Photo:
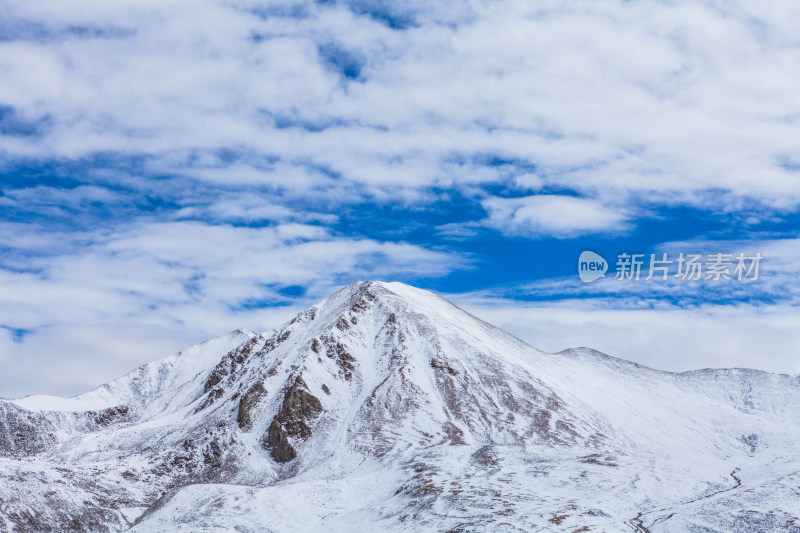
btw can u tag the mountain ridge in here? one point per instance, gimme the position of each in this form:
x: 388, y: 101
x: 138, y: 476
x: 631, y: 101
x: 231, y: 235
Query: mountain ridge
x: 395, y: 397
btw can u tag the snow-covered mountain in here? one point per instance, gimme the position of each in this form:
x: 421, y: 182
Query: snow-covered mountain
x: 386, y: 408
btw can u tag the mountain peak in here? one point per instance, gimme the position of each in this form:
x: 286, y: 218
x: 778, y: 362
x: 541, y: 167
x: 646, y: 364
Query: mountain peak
x: 384, y: 403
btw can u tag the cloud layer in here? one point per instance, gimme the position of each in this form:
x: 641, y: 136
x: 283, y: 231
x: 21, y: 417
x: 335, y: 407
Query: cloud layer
x: 667, y: 99
x: 194, y: 166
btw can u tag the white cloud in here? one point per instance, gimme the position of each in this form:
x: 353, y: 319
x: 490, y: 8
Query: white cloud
x: 669, y: 338
x: 162, y: 271
x: 603, y: 109
x: 553, y: 215
x: 134, y: 295
x: 68, y: 359
x: 669, y: 99
x: 673, y: 325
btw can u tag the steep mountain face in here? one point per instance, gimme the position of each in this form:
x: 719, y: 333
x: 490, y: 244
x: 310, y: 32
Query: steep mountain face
x: 385, y: 407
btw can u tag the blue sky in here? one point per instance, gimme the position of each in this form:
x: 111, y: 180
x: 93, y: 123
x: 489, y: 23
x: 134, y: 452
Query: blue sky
x: 171, y: 172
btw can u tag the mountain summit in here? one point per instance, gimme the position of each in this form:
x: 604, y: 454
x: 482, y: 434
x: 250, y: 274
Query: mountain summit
x: 385, y: 407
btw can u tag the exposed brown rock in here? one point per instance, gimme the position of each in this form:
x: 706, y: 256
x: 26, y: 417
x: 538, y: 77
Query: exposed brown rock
x: 247, y: 404
x: 23, y: 433
x: 365, y: 295
x: 305, y: 317
x: 336, y: 350
x: 212, y: 455
x: 358, y: 306
x: 247, y: 349
x: 180, y: 460
x: 454, y: 433
x: 441, y: 365
x: 110, y: 415
x: 232, y: 361
x: 277, y: 440
x: 213, y: 395
x: 215, y: 377
x: 485, y: 457
x: 298, y: 410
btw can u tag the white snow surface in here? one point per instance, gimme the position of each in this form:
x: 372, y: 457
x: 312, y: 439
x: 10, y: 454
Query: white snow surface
x: 404, y: 413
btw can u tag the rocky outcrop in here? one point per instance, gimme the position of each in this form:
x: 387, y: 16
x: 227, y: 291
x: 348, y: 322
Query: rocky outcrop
x: 277, y: 440
x: 293, y: 421
x: 337, y: 351
x: 215, y: 376
x: 231, y: 366
x: 247, y: 403
x: 23, y: 432
x: 212, y: 396
x: 110, y: 416
x: 212, y: 454
x: 232, y: 361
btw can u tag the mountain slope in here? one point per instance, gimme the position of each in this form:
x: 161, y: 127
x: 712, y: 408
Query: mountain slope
x: 386, y: 407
